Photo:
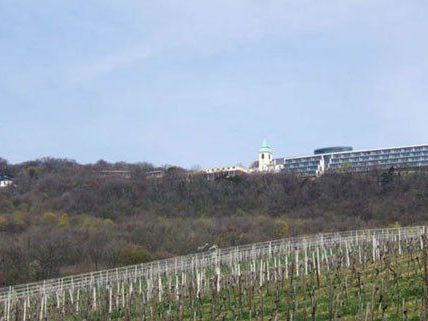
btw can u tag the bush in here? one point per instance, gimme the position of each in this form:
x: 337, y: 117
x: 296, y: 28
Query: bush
x: 133, y: 254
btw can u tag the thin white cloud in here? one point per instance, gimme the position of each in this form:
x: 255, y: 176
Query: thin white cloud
x: 208, y: 27
x: 110, y: 63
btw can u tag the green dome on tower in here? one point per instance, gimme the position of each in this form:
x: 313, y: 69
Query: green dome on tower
x: 265, y: 148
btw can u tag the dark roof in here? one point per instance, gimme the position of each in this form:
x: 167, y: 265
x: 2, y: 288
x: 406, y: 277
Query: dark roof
x: 5, y: 177
x: 333, y: 149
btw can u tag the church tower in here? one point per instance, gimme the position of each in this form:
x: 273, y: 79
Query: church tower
x: 265, y: 156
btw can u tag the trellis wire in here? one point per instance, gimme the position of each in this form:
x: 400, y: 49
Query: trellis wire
x: 214, y: 258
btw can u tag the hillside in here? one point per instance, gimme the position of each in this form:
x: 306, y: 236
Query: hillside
x: 64, y: 218
x: 377, y: 274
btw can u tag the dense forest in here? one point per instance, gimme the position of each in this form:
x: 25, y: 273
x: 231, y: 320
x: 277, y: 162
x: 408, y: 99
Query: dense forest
x: 61, y: 217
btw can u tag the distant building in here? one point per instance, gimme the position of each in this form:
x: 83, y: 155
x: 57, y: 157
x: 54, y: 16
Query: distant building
x: 226, y: 171
x: 266, y: 162
x: 5, y: 181
x: 265, y: 157
x: 158, y: 173
x: 344, y: 159
x: 333, y: 159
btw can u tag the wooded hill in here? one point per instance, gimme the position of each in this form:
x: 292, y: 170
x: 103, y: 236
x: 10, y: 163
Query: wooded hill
x: 61, y: 217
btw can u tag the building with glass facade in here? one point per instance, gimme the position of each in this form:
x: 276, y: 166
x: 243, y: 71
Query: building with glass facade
x: 332, y: 159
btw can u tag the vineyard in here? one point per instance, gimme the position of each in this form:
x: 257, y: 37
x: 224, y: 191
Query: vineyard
x: 379, y: 274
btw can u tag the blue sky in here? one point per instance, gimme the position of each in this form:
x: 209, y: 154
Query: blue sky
x: 203, y: 82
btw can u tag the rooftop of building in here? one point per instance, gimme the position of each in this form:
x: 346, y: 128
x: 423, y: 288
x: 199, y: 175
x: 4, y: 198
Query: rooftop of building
x: 332, y: 149
x: 266, y: 147
x: 357, y: 151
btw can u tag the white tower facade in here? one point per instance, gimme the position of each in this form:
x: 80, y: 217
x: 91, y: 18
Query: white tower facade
x: 265, y: 156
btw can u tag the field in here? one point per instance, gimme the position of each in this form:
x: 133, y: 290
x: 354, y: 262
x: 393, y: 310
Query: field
x: 358, y: 275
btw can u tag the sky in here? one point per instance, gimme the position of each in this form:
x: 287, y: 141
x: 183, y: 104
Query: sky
x: 201, y: 83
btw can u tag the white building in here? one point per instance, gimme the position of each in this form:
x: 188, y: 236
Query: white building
x: 265, y: 157
x: 227, y: 171
x: 345, y: 159
x: 5, y: 181
x: 266, y: 163
x: 332, y: 159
